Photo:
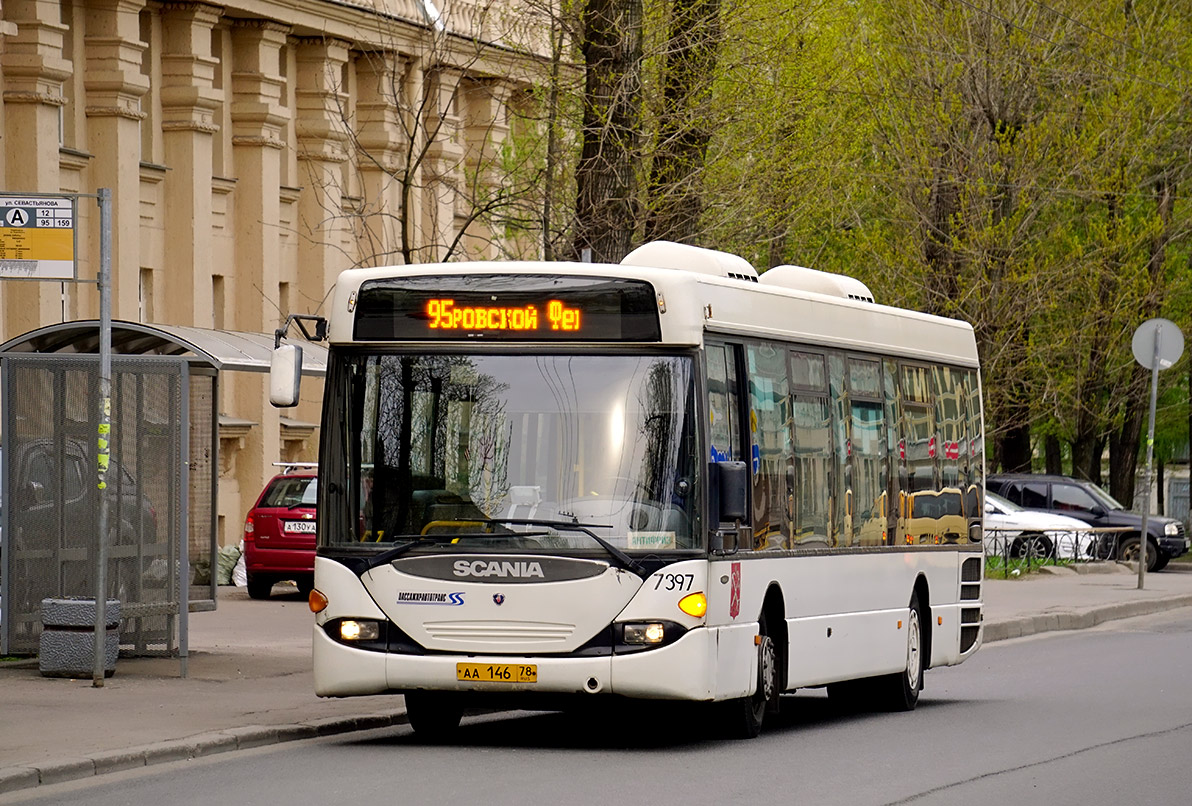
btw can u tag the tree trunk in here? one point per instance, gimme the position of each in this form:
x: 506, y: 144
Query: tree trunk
x: 1123, y: 449
x: 937, y: 243
x: 1123, y: 443
x: 1054, y: 455
x: 683, y: 130
x: 1159, y: 489
x: 612, y: 47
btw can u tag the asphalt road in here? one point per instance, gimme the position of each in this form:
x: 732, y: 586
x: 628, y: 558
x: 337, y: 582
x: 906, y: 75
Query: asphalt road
x: 1101, y: 716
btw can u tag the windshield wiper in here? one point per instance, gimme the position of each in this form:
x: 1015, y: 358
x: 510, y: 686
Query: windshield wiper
x: 623, y: 560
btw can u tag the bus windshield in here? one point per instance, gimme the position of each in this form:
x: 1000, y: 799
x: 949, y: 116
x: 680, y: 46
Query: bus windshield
x: 467, y: 452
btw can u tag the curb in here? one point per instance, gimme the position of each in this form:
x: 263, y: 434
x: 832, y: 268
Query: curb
x: 1054, y: 622
x: 201, y: 745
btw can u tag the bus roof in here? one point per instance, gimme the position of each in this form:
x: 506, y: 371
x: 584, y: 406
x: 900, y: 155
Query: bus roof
x: 719, y: 295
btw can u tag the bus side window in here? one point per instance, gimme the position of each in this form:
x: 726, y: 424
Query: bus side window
x: 769, y: 428
x: 724, y: 437
x: 811, y: 444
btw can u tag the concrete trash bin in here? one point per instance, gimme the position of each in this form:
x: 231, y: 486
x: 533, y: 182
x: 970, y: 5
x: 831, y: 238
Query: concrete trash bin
x: 66, y: 647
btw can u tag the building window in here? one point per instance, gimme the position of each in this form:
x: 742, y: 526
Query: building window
x: 145, y: 295
x: 217, y: 301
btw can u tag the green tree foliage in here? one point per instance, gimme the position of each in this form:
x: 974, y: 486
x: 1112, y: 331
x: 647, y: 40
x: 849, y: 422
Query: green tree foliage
x: 1020, y: 164
x: 1015, y: 163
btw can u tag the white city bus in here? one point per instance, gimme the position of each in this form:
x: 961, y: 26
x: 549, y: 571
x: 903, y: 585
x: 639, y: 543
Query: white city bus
x: 667, y: 479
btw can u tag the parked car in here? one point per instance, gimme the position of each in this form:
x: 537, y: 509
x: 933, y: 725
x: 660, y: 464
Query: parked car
x: 1062, y: 495
x: 279, y: 533
x: 1022, y: 533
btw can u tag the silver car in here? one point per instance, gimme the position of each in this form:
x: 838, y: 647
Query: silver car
x: 1029, y: 533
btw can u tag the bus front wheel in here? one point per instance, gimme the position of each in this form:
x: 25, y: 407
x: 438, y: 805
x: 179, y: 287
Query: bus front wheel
x: 433, y: 715
x: 743, y: 717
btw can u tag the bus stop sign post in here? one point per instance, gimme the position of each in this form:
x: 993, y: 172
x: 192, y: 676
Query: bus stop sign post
x: 1157, y: 345
x: 103, y: 442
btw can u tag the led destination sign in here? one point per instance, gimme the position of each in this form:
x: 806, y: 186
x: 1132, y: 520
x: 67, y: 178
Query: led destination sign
x: 446, y: 315
x: 506, y: 307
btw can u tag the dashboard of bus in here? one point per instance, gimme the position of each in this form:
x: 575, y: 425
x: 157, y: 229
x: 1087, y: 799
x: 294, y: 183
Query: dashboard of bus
x: 511, y: 450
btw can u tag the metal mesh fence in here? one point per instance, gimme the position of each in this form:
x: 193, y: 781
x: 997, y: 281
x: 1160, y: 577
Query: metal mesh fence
x: 1007, y: 549
x: 51, y: 498
x: 203, y: 474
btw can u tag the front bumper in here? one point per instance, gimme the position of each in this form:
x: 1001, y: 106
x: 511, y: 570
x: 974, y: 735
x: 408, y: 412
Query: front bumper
x: 278, y: 561
x: 683, y: 670
x: 1173, y: 546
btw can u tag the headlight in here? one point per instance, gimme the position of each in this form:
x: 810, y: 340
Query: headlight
x: 649, y: 633
x: 1172, y: 529
x: 350, y: 630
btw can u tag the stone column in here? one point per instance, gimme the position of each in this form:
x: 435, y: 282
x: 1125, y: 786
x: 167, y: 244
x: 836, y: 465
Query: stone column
x: 188, y: 104
x: 322, y: 131
x: 381, y: 104
x: 442, y: 171
x: 258, y: 121
x: 114, y: 86
x: 33, y: 71
x: 485, y: 131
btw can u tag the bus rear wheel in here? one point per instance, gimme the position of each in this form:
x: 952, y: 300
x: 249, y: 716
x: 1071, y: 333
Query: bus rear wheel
x: 433, y: 715
x: 900, y: 691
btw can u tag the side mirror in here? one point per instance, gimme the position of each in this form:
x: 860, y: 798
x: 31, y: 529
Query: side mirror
x: 730, y: 483
x: 285, y: 375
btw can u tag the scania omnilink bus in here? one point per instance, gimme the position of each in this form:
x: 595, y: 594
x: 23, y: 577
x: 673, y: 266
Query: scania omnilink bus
x: 669, y: 478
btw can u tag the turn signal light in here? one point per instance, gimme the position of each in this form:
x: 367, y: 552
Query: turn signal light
x: 316, y: 601
x: 695, y: 604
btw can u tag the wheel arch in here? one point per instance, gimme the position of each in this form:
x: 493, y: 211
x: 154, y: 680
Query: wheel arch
x: 774, y: 609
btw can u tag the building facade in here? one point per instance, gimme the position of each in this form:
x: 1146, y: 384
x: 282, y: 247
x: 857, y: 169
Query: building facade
x: 255, y: 149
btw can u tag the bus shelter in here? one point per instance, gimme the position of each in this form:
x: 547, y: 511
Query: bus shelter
x: 161, y: 551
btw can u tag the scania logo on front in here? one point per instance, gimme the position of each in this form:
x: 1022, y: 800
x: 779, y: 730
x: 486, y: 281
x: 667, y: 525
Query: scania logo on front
x: 504, y: 569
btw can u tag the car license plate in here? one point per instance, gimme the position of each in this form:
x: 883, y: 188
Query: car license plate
x: 497, y: 672
x: 299, y: 527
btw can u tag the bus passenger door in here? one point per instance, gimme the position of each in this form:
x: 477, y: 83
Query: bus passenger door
x: 727, y: 441
x: 733, y: 602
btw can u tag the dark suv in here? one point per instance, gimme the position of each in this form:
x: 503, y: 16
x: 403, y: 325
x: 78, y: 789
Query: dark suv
x: 1084, y: 500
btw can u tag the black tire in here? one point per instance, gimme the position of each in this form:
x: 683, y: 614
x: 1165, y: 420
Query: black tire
x: 305, y: 584
x: 433, y: 715
x: 744, y: 716
x: 900, y: 691
x: 1161, y: 563
x: 1036, y: 547
x: 259, y: 587
x: 1128, y: 552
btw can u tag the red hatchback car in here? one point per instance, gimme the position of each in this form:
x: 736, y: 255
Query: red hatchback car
x: 279, y: 533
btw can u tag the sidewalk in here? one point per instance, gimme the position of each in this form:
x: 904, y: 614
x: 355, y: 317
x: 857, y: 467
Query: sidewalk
x: 249, y: 680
